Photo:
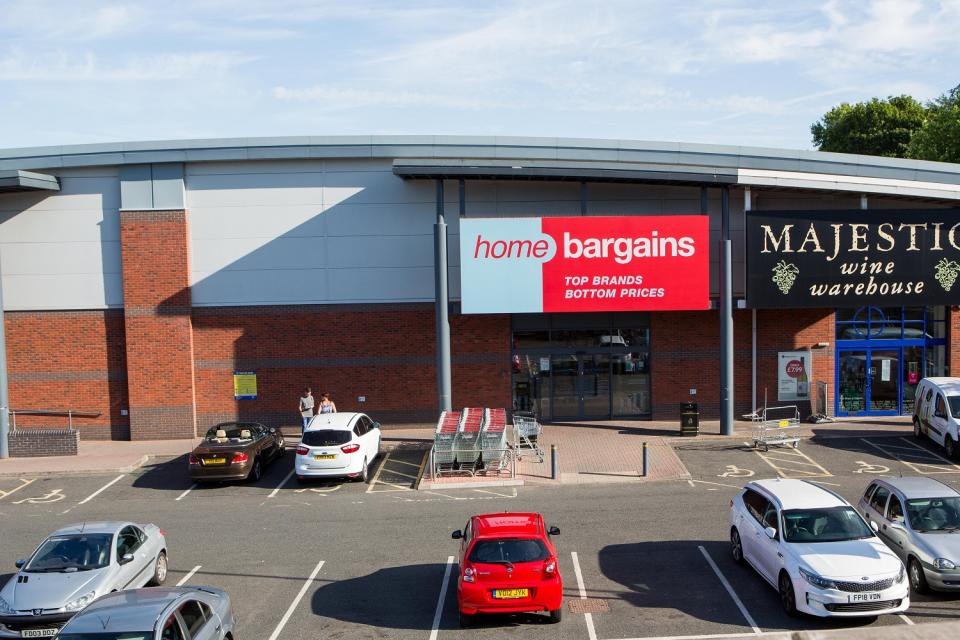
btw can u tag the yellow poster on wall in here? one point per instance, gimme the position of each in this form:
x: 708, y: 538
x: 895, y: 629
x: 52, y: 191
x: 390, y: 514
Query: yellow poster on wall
x: 244, y: 385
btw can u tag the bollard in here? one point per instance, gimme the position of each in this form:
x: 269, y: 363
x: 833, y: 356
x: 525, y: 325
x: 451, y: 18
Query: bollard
x: 645, y: 459
x: 554, y: 463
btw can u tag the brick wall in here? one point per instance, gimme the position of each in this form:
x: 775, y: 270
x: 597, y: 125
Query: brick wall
x: 34, y: 443
x: 62, y: 360
x: 157, y: 308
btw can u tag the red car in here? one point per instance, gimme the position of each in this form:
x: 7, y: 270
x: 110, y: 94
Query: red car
x: 508, y: 564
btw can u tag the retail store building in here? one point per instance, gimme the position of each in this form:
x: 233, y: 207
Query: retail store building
x: 171, y: 285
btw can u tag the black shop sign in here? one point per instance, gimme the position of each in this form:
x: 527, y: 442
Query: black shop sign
x: 801, y: 259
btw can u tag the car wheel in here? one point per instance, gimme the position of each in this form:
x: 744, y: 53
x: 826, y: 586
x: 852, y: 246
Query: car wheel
x: 159, y: 570
x: 788, y: 597
x: 466, y: 620
x: 950, y: 446
x: 736, y: 546
x: 916, y: 429
x: 556, y: 615
x: 256, y: 472
x: 365, y: 472
x: 918, y: 581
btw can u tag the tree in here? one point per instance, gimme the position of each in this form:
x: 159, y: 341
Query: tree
x: 939, y: 137
x: 876, y: 128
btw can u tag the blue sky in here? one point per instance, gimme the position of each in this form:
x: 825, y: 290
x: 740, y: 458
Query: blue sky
x: 725, y: 71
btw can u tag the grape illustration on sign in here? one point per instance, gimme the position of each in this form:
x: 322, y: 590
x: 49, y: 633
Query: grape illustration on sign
x: 784, y: 275
x: 946, y: 273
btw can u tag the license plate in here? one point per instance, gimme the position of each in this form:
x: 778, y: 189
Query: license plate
x: 510, y: 594
x: 38, y: 633
x: 214, y: 461
x: 863, y: 597
x: 324, y: 456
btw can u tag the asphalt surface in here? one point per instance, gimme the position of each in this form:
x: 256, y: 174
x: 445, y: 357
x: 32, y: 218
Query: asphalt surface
x: 378, y: 553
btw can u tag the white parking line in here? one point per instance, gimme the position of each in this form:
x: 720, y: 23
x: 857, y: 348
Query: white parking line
x: 435, y: 627
x: 906, y: 619
x: 716, y: 636
x: 588, y: 617
x: 296, y: 601
x: 916, y: 454
x: 184, y: 494
x: 101, y: 489
x: 274, y: 493
x: 792, y: 457
x: 733, y: 594
x: 189, y: 575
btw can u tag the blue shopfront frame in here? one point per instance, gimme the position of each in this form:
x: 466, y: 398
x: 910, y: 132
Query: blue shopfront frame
x: 872, y: 330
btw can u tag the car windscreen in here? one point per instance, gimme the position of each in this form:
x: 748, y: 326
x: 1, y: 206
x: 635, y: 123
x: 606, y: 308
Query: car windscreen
x: 934, y: 514
x: 126, y: 635
x: 508, y: 551
x: 954, y: 402
x: 833, y: 524
x: 71, y: 553
x: 326, y: 438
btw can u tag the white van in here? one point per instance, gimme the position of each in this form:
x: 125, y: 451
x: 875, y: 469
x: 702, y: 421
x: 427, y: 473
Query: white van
x: 936, y: 412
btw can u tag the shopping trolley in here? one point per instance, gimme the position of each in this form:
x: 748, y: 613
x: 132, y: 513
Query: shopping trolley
x: 777, y: 426
x: 526, y: 436
x: 493, y: 440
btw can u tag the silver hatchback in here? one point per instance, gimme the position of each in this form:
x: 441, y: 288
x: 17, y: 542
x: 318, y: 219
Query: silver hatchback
x: 919, y: 519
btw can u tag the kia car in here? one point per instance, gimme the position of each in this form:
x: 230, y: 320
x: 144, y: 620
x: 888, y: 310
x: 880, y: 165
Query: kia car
x: 235, y: 451
x: 508, y: 564
x: 816, y: 550
x: 919, y: 519
x: 338, y: 445
x: 73, y: 567
x: 178, y: 613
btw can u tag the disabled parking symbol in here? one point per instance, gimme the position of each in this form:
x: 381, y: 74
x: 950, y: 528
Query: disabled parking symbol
x: 54, y: 495
x: 866, y: 467
x: 734, y: 471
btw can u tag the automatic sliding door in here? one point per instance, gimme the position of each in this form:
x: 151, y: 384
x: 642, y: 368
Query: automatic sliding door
x: 565, y: 391
x: 595, y: 386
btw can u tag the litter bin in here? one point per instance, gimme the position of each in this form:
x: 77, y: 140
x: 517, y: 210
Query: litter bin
x: 689, y: 419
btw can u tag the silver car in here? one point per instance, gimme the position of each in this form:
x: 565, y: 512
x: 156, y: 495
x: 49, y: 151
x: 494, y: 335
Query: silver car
x: 178, y: 613
x: 919, y: 519
x: 73, y: 567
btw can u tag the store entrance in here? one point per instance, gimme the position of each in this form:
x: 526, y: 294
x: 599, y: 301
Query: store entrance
x: 869, y: 382
x: 581, y: 386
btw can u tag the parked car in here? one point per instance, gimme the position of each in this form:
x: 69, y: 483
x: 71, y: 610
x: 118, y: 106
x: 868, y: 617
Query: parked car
x: 508, y: 564
x: 235, y: 451
x: 816, y: 550
x: 918, y: 519
x: 338, y: 445
x: 178, y: 613
x: 936, y: 412
x: 73, y: 567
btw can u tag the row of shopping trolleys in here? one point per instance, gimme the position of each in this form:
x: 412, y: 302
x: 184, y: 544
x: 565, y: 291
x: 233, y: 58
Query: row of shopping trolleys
x: 471, y: 437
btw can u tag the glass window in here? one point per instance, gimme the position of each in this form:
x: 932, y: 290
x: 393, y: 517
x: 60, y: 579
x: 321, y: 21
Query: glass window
x: 834, y: 524
x: 895, y: 509
x: 325, y: 438
x: 869, y: 493
x: 756, y: 504
x: 171, y: 629
x: 531, y: 339
x: 934, y: 514
x: 79, y: 552
x: 941, y: 408
x: 879, y: 500
x: 192, y: 616
x: 508, y: 550
x: 769, y: 518
x: 954, y: 403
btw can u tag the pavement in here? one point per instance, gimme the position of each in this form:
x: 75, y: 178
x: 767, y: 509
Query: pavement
x: 98, y: 456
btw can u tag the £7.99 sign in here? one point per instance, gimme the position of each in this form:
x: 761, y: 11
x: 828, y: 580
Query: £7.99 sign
x: 590, y: 263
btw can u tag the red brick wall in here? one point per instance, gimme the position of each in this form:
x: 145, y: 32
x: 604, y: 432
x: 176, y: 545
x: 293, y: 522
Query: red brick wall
x: 69, y: 360
x: 157, y: 306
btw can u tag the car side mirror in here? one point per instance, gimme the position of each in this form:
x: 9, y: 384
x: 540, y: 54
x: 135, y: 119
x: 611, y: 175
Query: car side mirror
x: 873, y: 525
x: 125, y: 558
x: 273, y: 429
x: 20, y: 563
x: 457, y: 535
x: 553, y: 531
x: 771, y: 532
x: 897, y: 524
x: 376, y: 425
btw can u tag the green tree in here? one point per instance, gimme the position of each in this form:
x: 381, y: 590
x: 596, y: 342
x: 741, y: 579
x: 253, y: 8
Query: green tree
x: 939, y: 137
x: 876, y: 128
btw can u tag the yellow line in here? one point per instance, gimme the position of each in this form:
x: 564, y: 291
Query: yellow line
x: 783, y: 473
x: 915, y: 466
x: 400, y: 473
x: 409, y: 464
x: 25, y: 483
x: 376, y: 476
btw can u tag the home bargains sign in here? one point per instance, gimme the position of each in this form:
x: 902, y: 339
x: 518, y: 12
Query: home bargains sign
x: 590, y: 263
x: 799, y: 259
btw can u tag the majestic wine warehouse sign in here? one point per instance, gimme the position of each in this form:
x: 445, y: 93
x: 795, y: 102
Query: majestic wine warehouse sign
x: 589, y: 263
x: 798, y: 259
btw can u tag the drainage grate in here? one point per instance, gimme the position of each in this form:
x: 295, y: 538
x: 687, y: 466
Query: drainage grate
x: 590, y: 605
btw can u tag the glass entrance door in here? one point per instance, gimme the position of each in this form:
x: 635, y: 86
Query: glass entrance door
x: 868, y: 382
x: 580, y: 386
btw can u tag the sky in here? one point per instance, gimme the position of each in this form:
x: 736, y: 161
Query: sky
x: 737, y: 72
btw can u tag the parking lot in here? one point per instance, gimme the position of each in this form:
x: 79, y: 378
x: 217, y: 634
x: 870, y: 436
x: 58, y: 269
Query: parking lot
x: 354, y: 560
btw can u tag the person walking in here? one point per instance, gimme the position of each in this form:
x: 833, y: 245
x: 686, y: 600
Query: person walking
x: 306, y: 406
x: 326, y: 404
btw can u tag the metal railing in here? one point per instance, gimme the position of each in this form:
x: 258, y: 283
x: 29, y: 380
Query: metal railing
x: 70, y: 414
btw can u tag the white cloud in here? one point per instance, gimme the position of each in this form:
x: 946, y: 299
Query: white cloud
x: 64, y: 66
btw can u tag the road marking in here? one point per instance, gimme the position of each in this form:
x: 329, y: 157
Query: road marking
x: 866, y: 467
x: 719, y: 484
x: 913, y: 452
x: 409, y: 464
x: 733, y: 594
x: 591, y: 631
x: 321, y: 490
x: 906, y: 619
x: 690, y: 482
x: 274, y: 493
x: 101, y: 489
x: 733, y: 471
x: 376, y: 476
x: 494, y: 493
x: 53, y: 496
x: 435, y: 627
x: 184, y: 494
x: 296, y: 601
x: 402, y: 474
x: 793, y: 457
x: 716, y: 636
x: 24, y: 483
x: 189, y: 575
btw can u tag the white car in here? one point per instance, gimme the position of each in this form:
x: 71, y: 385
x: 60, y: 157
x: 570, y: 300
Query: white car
x: 936, y: 412
x: 338, y: 445
x: 816, y: 550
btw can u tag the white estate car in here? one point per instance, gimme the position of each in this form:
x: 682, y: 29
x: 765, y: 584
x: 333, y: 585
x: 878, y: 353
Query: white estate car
x: 338, y: 445
x: 821, y: 556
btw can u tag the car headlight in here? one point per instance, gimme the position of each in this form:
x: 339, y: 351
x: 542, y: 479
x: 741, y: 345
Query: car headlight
x: 902, y: 575
x: 943, y: 563
x: 5, y: 607
x: 81, y: 602
x: 817, y: 581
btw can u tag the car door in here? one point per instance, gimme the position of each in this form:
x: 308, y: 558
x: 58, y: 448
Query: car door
x: 127, y: 542
x: 360, y: 437
x: 750, y: 527
x: 939, y: 422
x: 171, y: 629
x: 373, y: 437
x: 864, y: 502
x: 877, y: 506
x: 895, y: 536
x: 199, y: 622
x: 769, y: 555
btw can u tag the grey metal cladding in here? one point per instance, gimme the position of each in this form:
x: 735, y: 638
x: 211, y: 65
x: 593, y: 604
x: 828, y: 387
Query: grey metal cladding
x: 16, y: 180
x: 151, y: 186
